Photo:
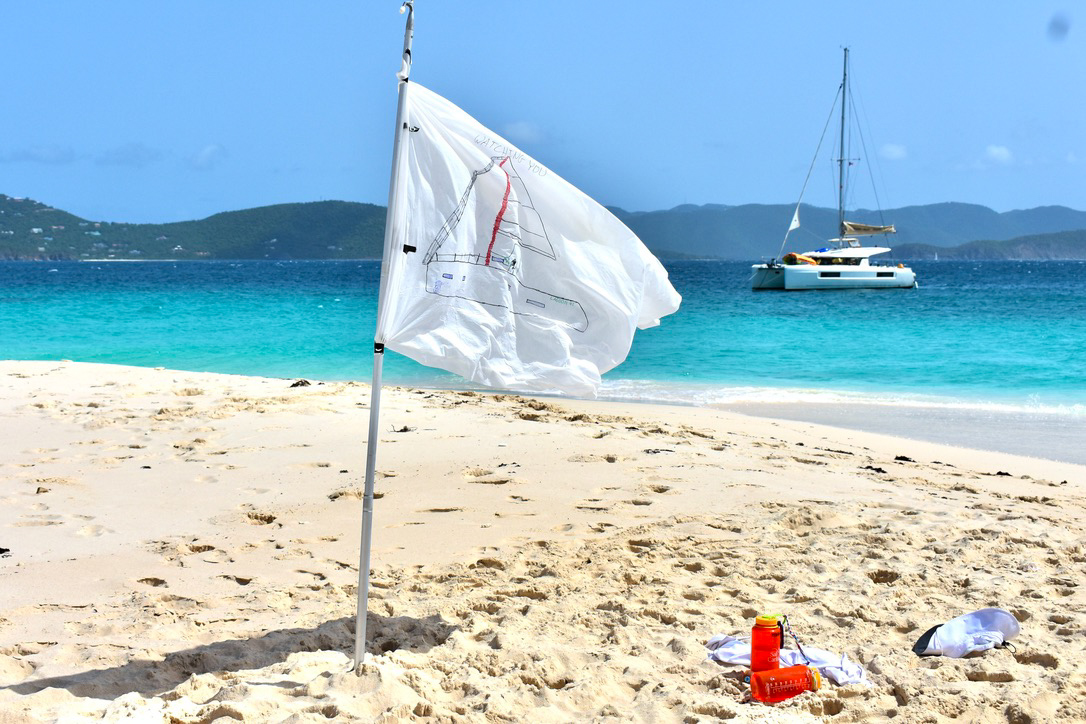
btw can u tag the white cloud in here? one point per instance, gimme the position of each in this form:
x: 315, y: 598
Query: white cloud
x: 523, y: 132
x: 135, y: 155
x: 208, y: 157
x: 893, y: 152
x: 52, y: 155
x: 998, y: 154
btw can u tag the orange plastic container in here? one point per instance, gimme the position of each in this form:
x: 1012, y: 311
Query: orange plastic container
x: 775, y: 685
x: 765, y: 643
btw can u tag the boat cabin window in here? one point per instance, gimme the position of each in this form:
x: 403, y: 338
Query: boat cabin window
x: 839, y: 261
x: 828, y: 275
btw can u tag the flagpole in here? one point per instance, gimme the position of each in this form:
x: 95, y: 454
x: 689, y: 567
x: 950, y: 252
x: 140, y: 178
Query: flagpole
x: 379, y: 356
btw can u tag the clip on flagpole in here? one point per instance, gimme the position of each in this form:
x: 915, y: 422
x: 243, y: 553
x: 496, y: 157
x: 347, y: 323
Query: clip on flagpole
x: 378, y: 360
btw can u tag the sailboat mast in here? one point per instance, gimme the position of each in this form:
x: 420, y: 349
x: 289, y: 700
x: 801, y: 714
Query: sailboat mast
x: 841, y: 160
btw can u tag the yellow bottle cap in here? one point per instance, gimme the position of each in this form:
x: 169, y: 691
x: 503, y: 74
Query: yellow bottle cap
x: 767, y: 619
x: 816, y: 679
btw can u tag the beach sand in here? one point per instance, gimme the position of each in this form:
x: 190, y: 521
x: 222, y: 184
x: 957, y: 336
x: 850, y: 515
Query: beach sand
x: 184, y: 548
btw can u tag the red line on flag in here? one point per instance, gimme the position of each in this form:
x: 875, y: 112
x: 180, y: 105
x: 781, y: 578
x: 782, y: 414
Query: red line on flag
x: 501, y: 212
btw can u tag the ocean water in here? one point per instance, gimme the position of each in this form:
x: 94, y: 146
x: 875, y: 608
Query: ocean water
x: 986, y: 354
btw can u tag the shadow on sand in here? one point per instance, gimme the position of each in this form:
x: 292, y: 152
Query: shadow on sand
x: 152, y: 678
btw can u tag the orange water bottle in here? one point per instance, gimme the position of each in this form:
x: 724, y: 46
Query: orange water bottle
x: 766, y: 639
x: 775, y: 685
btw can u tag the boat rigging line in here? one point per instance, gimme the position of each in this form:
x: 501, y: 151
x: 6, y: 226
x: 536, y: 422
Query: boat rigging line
x: 811, y: 168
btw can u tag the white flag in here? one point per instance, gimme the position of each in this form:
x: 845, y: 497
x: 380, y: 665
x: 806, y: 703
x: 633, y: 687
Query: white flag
x: 795, y: 221
x: 502, y: 272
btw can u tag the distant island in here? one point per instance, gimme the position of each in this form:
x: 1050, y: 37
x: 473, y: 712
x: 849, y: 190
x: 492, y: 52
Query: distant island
x: 318, y: 230
x: 1034, y: 247
x: 32, y: 230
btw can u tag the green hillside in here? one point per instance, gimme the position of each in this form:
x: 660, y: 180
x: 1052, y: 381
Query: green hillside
x: 1035, y: 247
x: 316, y: 230
x: 348, y: 230
x: 754, y: 231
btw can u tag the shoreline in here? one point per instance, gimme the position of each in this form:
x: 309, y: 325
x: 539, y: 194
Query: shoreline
x: 1041, y: 432
x: 1045, y: 432
x: 1041, y: 435
x: 185, y: 545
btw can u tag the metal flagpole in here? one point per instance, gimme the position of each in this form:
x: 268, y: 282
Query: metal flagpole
x: 379, y: 356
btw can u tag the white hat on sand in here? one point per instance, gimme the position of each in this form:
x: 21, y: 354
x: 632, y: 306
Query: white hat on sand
x: 978, y: 631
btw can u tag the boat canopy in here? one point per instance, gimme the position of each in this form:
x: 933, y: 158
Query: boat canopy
x: 847, y: 252
x: 857, y: 229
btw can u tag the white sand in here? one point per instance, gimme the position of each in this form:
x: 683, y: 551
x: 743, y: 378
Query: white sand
x: 184, y: 547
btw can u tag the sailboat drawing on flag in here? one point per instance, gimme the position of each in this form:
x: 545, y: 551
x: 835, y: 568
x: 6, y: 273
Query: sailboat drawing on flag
x: 485, y: 261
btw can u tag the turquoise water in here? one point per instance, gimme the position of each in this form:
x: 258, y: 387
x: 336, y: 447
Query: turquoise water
x: 981, y: 338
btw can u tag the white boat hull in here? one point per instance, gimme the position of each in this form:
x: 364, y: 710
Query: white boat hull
x: 826, y: 276
x: 767, y: 277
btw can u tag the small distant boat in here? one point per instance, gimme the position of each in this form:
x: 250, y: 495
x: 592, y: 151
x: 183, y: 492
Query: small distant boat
x: 844, y: 263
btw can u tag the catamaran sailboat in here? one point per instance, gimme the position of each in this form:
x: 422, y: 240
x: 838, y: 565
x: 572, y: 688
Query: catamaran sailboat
x: 844, y: 263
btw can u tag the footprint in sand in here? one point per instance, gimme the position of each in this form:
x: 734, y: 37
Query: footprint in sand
x: 216, y: 556
x: 594, y: 459
x: 482, y: 476
x: 240, y: 580
x: 1047, y: 661
x: 15, y: 668
x: 54, y: 480
x: 883, y: 576
x: 93, y: 531
x: 260, y: 518
x: 37, y: 521
x: 353, y: 494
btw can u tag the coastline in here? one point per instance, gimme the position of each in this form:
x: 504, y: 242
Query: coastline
x: 1029, y: 434
x: 185, y: 544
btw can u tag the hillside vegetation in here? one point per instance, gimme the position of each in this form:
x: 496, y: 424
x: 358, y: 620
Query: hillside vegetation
x: 754, y: 231
x: 347, y: 230
x: 316, y: 230
x: 1035, y: 247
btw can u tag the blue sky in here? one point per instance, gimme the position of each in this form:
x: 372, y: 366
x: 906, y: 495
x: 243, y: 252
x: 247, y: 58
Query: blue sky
x: 166, y: 111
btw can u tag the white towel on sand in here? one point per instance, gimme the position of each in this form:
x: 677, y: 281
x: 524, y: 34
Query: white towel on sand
x: 726, y: 649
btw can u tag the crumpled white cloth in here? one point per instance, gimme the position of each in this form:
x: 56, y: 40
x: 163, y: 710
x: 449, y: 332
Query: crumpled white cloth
x: 978, y: 631
x: 837, y: 668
